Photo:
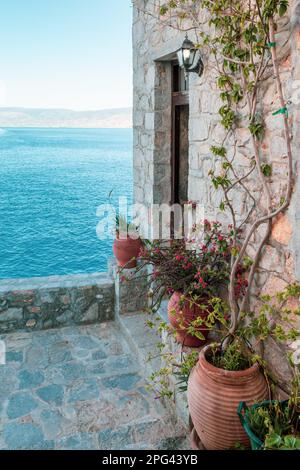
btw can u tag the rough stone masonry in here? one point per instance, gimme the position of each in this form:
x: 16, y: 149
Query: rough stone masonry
x: 153, y: 45
x: 56, y: 301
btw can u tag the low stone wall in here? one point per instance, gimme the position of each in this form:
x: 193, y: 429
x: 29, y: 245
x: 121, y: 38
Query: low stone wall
x: 41, y: 303
x: 131, y: 293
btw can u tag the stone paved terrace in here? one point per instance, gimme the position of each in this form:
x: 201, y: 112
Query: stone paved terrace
x: 80, y: 387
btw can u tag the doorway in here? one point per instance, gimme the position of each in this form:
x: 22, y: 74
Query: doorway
x: 180, y: 136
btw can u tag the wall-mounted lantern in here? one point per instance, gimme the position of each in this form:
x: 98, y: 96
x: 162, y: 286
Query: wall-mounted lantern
x: 189, y: 58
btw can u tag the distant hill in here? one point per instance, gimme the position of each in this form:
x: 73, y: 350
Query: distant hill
x: 35, y: 117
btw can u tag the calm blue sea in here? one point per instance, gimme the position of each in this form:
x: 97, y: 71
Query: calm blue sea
x: 51, y: 182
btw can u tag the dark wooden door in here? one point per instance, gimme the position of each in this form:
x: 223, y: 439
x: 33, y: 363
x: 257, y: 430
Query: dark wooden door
x: 180, y: 142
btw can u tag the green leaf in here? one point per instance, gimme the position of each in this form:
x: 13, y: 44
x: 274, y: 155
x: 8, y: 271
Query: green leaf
x: 222, y: 206
x: 163, y: 9
x: 282, y: 200
x: 223, y: 80
x: 257, y: 129
x: 247, y: 262
x: 228, y: 116
x: 199, y: 335
x: 222, y: 181
x: 266, y: 169
x: 273, y: 440
x: 226, y: 165
x: 283, y: 7
x: 234, y: 251
x: 219, y: 151
x: 289, y: 441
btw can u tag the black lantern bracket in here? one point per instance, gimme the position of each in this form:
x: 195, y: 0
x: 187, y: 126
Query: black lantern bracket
x: 199, y: 67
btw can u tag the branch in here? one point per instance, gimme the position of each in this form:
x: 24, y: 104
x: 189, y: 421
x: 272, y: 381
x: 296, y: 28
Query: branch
x: 285, y: 116
x: 254, y: 266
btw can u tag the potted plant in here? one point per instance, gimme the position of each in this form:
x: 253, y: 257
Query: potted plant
x: 215, y: 388
x: 274, y: 424
x: 127, y: 244
x: 191, y: 273
x: 224, y: 377
x: 188, y: 319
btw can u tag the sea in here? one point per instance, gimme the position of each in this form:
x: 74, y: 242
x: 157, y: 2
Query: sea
x: 51, y: 183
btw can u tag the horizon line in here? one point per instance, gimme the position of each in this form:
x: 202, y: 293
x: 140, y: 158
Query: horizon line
x: 65, y: 109
x: 61, y: 127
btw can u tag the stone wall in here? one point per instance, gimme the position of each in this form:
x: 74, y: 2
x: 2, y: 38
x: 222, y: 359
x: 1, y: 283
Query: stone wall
x: 41, y: 303
x: 294, y: 214
x: 154, y: 45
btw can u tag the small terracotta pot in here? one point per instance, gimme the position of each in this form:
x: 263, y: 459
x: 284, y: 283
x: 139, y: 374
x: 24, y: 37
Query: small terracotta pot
x: 213, y: 397
x: 181, y: 317
x: 127, y: 251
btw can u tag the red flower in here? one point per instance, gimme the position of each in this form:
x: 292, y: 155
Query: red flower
x: 142, y: 253
x: 188, y: 266
x: 207, y: 224
x: 240, y: 285
x: 193, y: 204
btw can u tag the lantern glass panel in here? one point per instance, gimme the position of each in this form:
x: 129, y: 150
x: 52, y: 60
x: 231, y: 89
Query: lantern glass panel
x: 186, y: 56
x: 180, y: 57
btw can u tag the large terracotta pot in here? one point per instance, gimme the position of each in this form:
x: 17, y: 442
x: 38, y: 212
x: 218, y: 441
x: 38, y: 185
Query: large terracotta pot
x: 213, y: 397
x: 126, y: 251
x: 181, y: 316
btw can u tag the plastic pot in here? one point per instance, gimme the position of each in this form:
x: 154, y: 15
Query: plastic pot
x: 256, y: 443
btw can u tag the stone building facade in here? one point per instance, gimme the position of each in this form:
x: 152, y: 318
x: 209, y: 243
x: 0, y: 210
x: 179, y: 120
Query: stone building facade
x: 154, y: 46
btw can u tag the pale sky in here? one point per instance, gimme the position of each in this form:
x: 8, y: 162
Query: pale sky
x: 73, y: 54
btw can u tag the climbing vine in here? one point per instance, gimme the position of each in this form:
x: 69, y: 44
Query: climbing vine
x: 240, y: 37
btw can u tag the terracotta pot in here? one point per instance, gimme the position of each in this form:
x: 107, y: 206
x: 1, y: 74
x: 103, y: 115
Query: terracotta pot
x: 181, y: 317
x: 126, y: 251
x: 213, y: 397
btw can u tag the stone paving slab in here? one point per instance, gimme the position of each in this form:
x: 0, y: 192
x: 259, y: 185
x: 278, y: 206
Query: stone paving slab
x: 79, y: 387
